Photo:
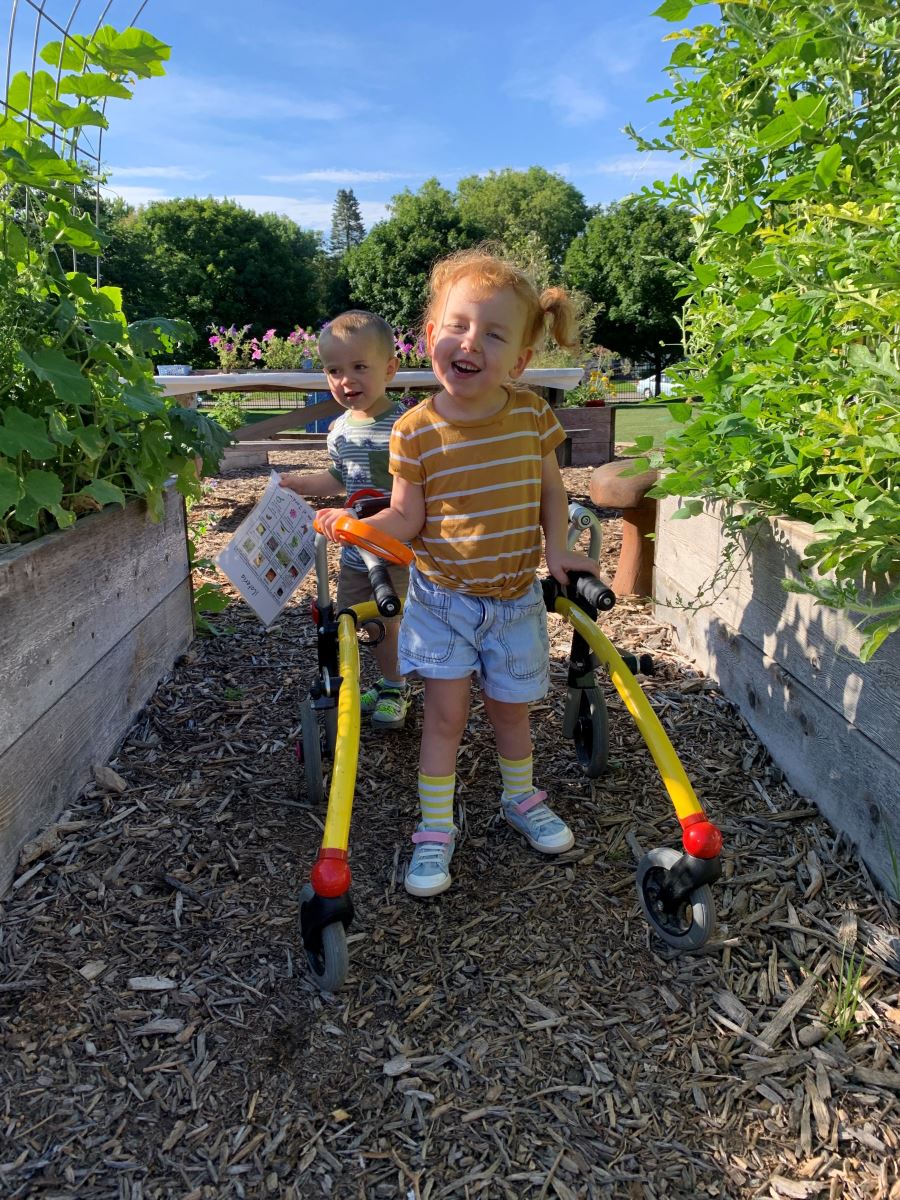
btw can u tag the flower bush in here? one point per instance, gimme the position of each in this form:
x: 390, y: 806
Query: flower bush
x: 236, y: 351
x: 596, y: 390
x: 410, y: 350
x: 299, y: 350
x: 232, y: 347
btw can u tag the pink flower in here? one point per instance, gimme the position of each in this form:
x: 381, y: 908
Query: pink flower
x: 268, y: 335
x: 214, y: 341
x: 256, y: 354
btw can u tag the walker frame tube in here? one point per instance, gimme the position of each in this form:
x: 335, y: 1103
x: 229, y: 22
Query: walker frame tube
x: 701, y: 839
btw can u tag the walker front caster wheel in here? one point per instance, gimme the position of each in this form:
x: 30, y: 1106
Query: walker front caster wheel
x: 310, y: 754
x: 591, y: 733
x: 685, y: 926
x: 328, y: 958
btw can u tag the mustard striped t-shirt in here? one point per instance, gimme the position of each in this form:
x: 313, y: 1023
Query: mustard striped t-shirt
x: 482, y: 484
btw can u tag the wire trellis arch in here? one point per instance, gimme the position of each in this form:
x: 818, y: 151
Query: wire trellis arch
x: 81, y: 149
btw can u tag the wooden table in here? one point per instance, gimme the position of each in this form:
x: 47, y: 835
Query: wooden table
x: 556, y: 381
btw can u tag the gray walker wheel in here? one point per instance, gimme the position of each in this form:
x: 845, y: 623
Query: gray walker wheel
x: 692, y: 924
x: 311, y: 746
x: 327, y: 967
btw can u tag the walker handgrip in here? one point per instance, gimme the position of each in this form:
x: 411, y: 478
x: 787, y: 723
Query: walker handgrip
x: 367, y: 505
x: 596, y: 592
x: 386, y: 599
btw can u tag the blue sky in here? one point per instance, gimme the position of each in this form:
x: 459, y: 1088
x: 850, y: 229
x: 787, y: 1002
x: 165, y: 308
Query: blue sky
x: 278, y: 104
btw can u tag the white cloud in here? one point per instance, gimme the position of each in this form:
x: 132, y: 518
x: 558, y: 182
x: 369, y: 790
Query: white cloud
x: 334, y: 175
x: 136, y: 196
x: 156, y: 173
x: 190, y: 100
x: 635, y: 166
x: 576, y: 103
x: 309, y: 213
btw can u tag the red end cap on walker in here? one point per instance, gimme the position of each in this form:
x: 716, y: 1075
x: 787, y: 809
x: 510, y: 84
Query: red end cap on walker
x: 331, y: 874
x: 700, y: 837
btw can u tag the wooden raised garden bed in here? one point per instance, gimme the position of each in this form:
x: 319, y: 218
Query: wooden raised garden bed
x: 93, y: 617
x: 828, y: 720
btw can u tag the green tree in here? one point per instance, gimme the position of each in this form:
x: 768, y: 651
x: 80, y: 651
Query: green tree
x: 792, y: 113
x: 629, y: 260
x: 389, y: 269
x: 347, y: 227
x: 508, y: 206
x: 331, y: 288
x: 211, y: 260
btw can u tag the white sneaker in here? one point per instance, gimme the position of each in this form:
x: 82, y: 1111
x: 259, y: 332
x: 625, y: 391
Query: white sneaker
x: 428, y: 872
x: 538, y: 824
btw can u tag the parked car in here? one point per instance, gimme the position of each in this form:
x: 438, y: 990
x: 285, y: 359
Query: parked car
x: 646, y: 387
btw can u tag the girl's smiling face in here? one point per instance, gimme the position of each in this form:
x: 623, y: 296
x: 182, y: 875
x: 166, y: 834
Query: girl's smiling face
x: 477, y: 344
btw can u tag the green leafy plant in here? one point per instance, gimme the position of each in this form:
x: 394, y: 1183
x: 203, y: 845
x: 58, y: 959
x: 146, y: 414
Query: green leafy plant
x: 209, y: 597
x: 847, y: 994
x: 790, y: 115
x: 228, y: 410
x: 82, y: 423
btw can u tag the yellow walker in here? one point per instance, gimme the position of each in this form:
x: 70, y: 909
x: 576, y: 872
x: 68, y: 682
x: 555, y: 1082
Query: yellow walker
x: 672, y: 886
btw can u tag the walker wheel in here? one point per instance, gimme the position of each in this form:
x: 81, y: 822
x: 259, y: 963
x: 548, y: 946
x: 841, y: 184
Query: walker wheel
x: 310, y: 755
x: 328, y: 966
x: 591, y: 733
x: 689, y: 926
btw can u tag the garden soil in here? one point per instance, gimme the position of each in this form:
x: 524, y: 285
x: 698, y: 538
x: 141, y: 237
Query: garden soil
x: 524, y: 1036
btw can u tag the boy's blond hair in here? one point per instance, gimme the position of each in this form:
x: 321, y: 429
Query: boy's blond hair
x: 358, y: 320
x: 490, y: 273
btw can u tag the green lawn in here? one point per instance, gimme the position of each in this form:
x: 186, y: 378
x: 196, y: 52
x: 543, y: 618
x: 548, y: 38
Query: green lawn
x: 252, y: 415
x: 632, y: 422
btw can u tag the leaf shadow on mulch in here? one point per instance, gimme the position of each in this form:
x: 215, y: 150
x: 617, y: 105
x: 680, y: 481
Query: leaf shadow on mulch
x: 524, y: 1035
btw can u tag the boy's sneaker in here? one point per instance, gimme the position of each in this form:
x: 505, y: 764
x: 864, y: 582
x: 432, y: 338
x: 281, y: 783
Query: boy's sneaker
x: 369, y: 698
x: 538, y: 824
x: 391, y: 707
x: 428, y: 872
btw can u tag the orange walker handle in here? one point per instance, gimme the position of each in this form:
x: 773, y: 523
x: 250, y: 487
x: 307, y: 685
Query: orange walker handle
x: 359, y: 533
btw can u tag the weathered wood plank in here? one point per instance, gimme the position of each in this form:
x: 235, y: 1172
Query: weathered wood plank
x: 296, y: 419
x: 68, y: 598
x: 51, y: 762
x: 816, y: 645
x: 591, y: 430
x: 826, y: 757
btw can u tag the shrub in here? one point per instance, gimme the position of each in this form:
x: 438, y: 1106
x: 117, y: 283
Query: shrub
x: 793, y: 311
x: 228, y: 410
x: 83, y: 424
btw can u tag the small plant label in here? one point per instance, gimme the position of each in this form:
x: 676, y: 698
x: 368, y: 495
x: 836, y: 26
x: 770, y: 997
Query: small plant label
x: 271, y: 551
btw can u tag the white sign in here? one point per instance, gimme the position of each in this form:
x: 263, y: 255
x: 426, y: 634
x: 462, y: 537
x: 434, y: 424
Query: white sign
x: 272, y: 550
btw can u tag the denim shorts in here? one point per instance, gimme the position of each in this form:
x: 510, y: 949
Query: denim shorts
x: 450, y: 635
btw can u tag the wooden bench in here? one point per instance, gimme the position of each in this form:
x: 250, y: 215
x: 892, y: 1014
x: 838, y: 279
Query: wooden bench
x: 256, y: 454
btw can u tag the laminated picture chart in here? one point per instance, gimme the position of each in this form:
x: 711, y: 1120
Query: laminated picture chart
x: 271, y: 551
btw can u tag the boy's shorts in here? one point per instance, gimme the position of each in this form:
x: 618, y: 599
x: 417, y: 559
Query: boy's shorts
x: 450, y: 635
x: 354, y: 586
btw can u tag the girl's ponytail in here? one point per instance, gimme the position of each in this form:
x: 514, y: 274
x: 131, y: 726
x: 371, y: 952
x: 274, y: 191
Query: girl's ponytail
x: 557, y: 305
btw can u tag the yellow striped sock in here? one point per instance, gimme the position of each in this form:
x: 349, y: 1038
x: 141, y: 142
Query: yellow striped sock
x: 436, y: 799
x: 517, y: 775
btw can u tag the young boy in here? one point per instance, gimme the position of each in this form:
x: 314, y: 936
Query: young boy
x: 357, y: 352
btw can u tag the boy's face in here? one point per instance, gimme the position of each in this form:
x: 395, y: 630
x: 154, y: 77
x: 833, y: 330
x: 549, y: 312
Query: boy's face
x: 478, y: 342
x: 357, y: 369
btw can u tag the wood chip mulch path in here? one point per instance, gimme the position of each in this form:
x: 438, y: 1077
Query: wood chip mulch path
x: 523, y: 1036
